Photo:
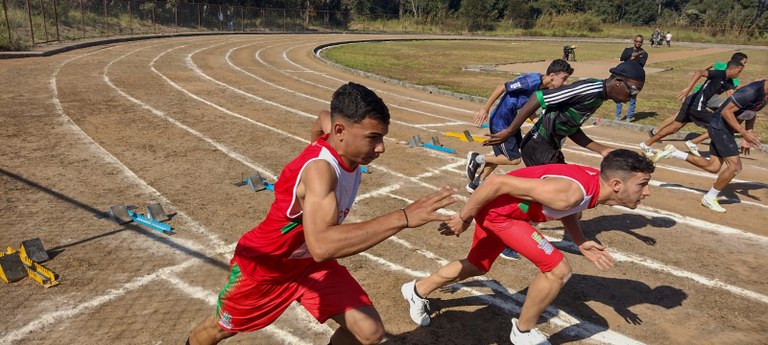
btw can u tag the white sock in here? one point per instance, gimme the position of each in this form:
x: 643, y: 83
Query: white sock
x: 680, y: 155
x: 712, y: 193
x: 480, y: 159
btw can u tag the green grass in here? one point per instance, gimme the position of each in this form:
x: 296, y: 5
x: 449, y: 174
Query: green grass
x: 440, y: 64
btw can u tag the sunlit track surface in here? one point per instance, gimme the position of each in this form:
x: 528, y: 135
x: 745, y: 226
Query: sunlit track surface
x: 177, y: 121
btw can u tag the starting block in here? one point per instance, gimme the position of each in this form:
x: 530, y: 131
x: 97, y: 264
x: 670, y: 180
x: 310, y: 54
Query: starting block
x: 256, y: 183
x: 16, y: 265
x: 121, y: 215
x: 415, y: 141
x: 11, y: 267
x: 465, y: 137
x: 364, y: 170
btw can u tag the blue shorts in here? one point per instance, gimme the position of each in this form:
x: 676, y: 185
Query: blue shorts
x: 509, y: 148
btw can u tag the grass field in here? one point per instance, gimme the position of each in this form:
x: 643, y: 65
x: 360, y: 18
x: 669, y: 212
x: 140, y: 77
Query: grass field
x: 441, y: 63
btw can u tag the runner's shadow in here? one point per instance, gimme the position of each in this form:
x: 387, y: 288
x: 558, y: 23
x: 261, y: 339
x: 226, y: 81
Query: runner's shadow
x: 643, y: 115
x: 734, y: 189
x: 627, y: 223
x: 620, y: 294
x: 489, y: 324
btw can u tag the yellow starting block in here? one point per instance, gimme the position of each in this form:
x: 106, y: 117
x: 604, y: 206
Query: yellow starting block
x: 465, y: 137
x: 15, y: 265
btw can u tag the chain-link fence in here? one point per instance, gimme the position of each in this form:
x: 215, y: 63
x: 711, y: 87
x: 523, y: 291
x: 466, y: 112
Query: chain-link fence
x: 26, y: 23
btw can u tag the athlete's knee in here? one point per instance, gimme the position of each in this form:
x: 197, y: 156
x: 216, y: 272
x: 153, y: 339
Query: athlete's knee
x: 469, y: 269
x: 369, y: 332
x: 562, y: 272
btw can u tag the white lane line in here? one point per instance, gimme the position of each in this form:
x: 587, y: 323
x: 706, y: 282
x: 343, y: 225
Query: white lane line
x: 693, y: 172
x: 667, y: 185
x: 55, y: 317
x: 391, y: 104
x: 698, y: 223
x: 439, y: 105
x: 659, y: 266
x: 568, y: 324
x: 664, y: 166
x: 100, y: 151
x: 242, y: 159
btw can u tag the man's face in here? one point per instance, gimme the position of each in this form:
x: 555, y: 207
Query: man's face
x: 734, y: 72
x: 638, y: 42
x: 362, y: 142
x: 622, y: 89
x: 558, y: 79
x: 633, y: 189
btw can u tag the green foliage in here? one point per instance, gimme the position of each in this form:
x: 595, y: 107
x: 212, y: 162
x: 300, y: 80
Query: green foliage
x: 570, y: 22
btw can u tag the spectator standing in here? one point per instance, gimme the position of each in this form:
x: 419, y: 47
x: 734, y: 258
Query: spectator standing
x: 669, y: 39
x: 637, y: 54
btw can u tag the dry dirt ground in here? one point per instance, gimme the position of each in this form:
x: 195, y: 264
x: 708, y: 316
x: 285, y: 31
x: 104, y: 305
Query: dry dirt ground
x: 177, y: 121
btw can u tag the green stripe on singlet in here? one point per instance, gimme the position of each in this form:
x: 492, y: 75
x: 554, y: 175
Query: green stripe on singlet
x: 290, y: 226
x: 234, y: 276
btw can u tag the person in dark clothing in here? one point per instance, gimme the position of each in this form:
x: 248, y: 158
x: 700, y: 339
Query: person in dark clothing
x: 637, y: 54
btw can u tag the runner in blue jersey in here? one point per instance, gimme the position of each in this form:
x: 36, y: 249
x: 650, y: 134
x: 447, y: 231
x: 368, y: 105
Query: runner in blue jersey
x: 514, y: 94
x: 565, y: 110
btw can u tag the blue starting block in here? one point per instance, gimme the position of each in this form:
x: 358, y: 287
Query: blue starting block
x: 364, y: 170
x: 485, y: 125
x: 120, y: 214
x: 415, y: 141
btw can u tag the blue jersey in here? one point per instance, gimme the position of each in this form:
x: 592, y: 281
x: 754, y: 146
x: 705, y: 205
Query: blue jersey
x: 517, y: 93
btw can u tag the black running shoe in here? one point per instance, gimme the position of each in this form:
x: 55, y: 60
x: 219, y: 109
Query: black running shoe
x: 472, y: 185
x: 472, y: 165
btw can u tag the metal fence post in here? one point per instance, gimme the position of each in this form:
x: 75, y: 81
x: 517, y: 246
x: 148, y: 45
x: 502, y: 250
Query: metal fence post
x: 7, y: 23
x: 29, y: 14
x: 82, y: 16
x: 56, y: 18
x: 154, y: 21
x: 130, y: 16
x: 106, y: 19
x: 45, y: 25
x: 242, y: 18
x: 199, y: 19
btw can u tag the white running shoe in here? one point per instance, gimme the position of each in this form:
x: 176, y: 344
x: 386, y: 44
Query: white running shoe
x: 418, y: 306
x: 646, y: 149
x: 693, y: 148
x: 664, y: 154
x: 712, y: 204
x: 532, y: 337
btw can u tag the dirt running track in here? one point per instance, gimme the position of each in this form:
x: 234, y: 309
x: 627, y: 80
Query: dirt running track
x: 177, y: 121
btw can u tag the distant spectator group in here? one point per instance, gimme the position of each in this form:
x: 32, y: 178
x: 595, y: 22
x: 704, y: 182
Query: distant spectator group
x: 658, y: 37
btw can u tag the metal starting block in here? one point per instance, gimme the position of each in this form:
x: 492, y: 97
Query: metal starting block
x: 121, y: 215
x: 34, y: 250
x: 256, y: 183
x: 415, y: 141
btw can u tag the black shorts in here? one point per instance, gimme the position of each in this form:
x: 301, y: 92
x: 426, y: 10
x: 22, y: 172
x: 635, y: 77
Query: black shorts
x: 688, y: 113
x: 722, y: 143
x: 535, y: 151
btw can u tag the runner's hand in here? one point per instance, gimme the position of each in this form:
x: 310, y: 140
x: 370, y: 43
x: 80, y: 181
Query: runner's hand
x: 424, y: 210
x: 480, y: 117
x: 497, y: 138
x: 596, y: 253
x: 454, y: 226
x: 752, y: 139
x: 745, y: 147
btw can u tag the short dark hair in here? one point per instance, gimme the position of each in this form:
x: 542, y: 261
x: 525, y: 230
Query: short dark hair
x: 739, y: 56
x: 559, y: 65
x: 734, y: 64
x: 624, y: 162
x: 355, y: 102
